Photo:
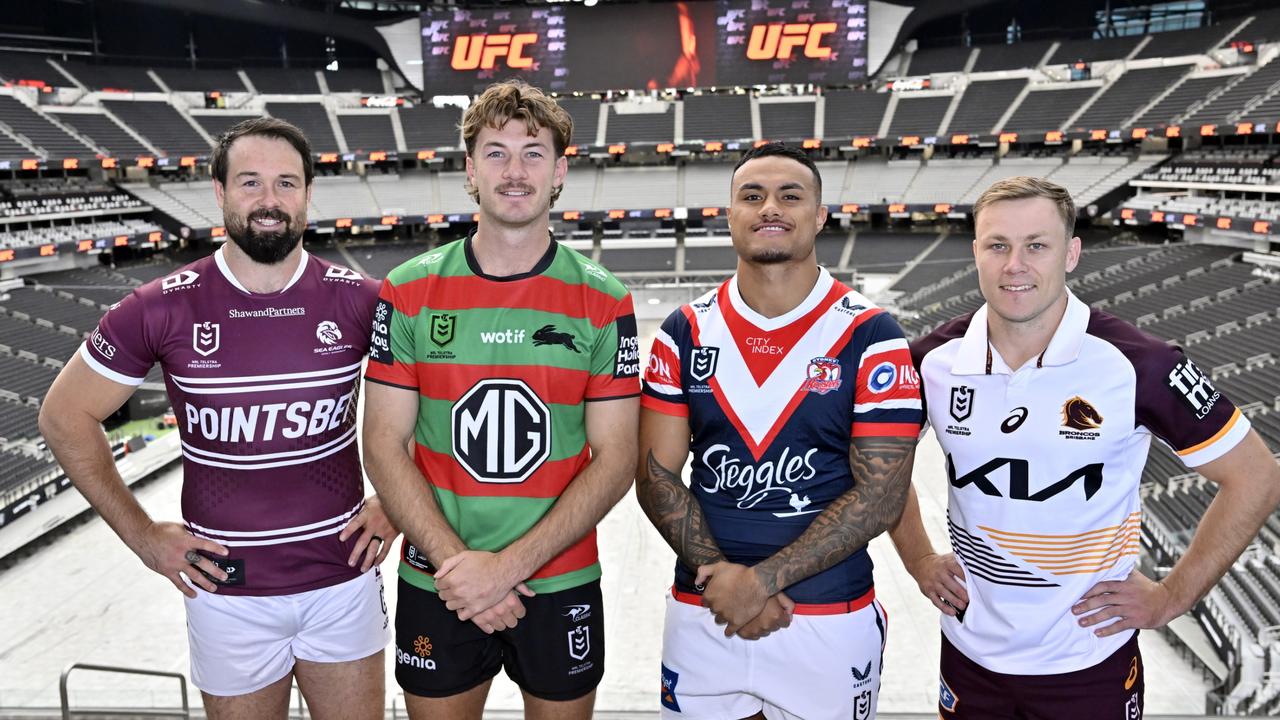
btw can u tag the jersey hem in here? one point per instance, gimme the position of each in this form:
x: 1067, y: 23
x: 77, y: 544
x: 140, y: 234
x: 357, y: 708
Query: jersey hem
x: 388, y: 383
x: 292, y: 589
x: 1038, y: 666
x: 566, y: 581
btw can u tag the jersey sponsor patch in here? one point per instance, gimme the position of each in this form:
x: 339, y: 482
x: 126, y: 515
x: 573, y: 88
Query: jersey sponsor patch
x: 669, y: 680
x: 947, y: 699
x: 1193, y: 387
x: 380, y: 342
x: 501, y: 431
x: 626, y: 363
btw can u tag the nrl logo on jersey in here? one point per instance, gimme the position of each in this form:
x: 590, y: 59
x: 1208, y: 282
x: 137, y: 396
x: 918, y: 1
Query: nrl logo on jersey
x: 702, y: 362
x: 442, y: 327
x: 206, y: 337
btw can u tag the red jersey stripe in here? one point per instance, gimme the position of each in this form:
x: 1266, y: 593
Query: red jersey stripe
x: 650, y: 402
x: 548, y: 481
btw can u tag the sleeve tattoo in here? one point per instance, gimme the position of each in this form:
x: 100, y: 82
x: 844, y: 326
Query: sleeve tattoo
x: 676, y: 514
x: 882, y: 475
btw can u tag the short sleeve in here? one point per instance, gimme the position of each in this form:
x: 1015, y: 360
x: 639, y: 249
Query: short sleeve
x: 1178, y: 403
x: 887, y: 391
x: 120, y: 348
x: 615, y: 356
x: 662, y: 388
x: 392, y: 348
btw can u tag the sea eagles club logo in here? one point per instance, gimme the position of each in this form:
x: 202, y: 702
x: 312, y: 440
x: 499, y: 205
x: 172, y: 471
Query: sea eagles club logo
x: 961, y: 403
x: 703, y: 363
x: 442, y: 326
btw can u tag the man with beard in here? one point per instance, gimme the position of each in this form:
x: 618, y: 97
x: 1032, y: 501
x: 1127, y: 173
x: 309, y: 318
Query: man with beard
x: 787, y: 388
x: 261, y: 346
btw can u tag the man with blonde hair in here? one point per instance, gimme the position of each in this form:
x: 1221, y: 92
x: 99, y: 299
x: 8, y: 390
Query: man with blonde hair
x: 1045, y: 410
x: 509, y: 363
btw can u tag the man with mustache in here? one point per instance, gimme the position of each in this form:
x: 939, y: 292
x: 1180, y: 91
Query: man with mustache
x: 794, y: 394
x: 500, y: 426
x: 261, y: 346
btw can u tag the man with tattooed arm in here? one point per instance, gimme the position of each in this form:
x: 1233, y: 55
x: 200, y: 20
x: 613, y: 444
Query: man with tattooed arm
x: 798, y: 401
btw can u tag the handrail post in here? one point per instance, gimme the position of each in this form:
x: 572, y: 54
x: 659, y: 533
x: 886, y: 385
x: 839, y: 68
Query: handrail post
x: 67, y: 713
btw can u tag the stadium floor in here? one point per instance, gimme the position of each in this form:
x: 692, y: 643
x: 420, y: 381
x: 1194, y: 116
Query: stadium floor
x: 85, y: 598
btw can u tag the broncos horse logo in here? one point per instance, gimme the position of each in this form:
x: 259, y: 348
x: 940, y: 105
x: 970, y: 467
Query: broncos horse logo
x: 1078, y: 414
x: 548, y: 335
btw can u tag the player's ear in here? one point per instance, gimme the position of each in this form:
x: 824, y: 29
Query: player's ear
x: 219, y: 192
x: 1073, y: 253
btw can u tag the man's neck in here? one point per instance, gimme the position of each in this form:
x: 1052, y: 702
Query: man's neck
x: 257, y: 277
x: 1018, y: 342
x: 774, y: 290
x: 505, y: 251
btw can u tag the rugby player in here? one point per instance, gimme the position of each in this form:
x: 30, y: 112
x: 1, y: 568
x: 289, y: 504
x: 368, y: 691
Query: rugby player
x: 261, y: 346
x: 500, y: 426
x: 1045, y: 409
x: 796, y: 397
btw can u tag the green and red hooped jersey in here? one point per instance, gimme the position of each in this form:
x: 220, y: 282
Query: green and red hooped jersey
x: 503, y: 367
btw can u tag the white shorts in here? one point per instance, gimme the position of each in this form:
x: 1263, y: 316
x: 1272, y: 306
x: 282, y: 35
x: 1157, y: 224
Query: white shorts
x: 241, y: 644
x: 822, y: 666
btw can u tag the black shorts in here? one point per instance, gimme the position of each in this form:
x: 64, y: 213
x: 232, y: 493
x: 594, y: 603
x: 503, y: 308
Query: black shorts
x: 1111, y: 689
x: 556, y: 652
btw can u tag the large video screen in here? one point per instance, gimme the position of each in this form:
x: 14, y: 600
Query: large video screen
x: 567, y: 47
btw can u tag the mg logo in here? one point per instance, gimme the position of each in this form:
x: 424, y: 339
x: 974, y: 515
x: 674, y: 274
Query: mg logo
x: 777, y: 41
x: 501, y: 431
x: 472, y: 52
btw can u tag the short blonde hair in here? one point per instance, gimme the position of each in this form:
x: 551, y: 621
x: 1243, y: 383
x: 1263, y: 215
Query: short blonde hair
x: 1022, y: 187
x: 503, y: 102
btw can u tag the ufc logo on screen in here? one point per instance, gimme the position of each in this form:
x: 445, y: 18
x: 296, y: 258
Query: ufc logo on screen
x: 778, y: 41
x: 481, y: 52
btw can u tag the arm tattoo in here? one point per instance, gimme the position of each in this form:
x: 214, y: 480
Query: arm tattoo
x: 882, y: 475
x: 676, y: 514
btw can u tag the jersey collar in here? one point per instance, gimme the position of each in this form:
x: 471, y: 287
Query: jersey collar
x: 976, y: 357
x: 819, y: 291
x: 225, y: 269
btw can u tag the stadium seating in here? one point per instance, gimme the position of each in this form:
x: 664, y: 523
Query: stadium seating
x: 201, y: 80
x: 217, y: 123
x: 640, y: 123
x: 983, y: 104
x: 1230, y: 104
x: 312, y: 119
x: 785, y: 120
x: 1048, y: 109
x: 161, y: 124
x: 722, y: 117
x: 426, y: 126
x: 367, y: 132
x: 105, y: 133
x: 111, y: 77
x: 854, y: 112
x: 918, y: 115
x: 38, y: 130
x: 1134, y: 89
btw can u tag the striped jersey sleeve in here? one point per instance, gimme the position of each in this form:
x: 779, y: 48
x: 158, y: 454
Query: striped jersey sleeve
x: 119, y: 347
x: 887, y: 395
x: 663, y: 391
x: 391, y: 345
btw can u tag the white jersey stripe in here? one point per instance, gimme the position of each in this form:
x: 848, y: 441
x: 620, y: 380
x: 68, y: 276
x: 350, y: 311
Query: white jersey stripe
x: 269, y: 456
x: 343, y: 518
x: 276, y: 541
x: 105, y: 371
x: 238, y: 389
x: 664, y: 389
x: 262, y: 378
x: 264, y: 466
x: 908, y: 404
x: 883, y: 346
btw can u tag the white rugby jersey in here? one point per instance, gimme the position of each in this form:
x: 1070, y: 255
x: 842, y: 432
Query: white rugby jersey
x: 1044, y: 465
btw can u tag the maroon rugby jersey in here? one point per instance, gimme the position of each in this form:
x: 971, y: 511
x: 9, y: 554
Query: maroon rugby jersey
x: 264, y: 388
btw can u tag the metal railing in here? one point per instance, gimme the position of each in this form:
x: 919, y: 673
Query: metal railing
x: 68, y: 713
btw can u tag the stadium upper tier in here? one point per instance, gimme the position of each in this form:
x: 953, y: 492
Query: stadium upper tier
x: 1189, y: 77
x: 865, y: 180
